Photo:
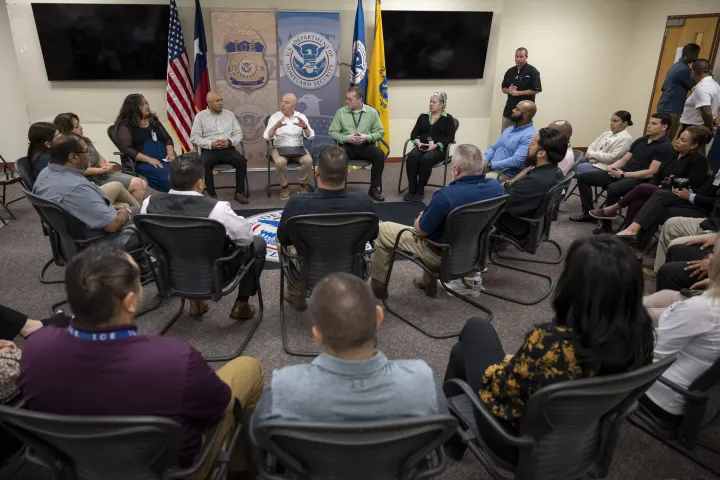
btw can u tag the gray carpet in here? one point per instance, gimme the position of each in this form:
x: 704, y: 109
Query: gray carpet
x: 23, y: 251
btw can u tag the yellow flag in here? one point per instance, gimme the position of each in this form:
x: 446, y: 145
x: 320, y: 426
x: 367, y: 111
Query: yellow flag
x: 377, y: 95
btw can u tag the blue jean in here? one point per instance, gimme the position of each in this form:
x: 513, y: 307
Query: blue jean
x: 157, y: 178
x: 584, y: 167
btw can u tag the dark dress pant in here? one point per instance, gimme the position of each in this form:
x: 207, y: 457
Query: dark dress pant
x: 371, y: 153
x: 228, y: 156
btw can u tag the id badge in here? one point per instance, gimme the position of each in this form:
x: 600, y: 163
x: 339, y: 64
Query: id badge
x: 153, y: 135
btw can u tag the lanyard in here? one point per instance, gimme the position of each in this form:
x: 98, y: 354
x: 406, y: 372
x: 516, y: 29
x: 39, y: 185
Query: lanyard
x: 357, y: 122
x: 102, y: 337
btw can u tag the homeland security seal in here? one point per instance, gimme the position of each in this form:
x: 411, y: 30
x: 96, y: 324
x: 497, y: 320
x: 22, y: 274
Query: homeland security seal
x: 265, y: 226
x: 359, y: 65
x: 309, y: 60
x: 246, y: 68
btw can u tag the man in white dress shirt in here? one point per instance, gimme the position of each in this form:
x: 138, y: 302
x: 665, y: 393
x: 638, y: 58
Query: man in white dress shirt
x: 217, y: 132
x: 185, y: 198
x: 702, y: 104
x: 288, y: 128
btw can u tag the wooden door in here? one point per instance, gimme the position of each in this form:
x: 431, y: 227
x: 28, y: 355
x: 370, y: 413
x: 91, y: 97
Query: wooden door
x: 679, y: 31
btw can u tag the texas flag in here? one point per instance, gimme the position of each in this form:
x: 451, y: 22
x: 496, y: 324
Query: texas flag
x: 201, y: 85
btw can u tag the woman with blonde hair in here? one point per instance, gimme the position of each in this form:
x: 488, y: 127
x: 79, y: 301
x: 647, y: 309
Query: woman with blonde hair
x: 690, y: 329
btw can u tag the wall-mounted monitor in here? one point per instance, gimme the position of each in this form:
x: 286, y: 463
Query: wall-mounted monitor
x: 435, y: 45
x: 83, y: 41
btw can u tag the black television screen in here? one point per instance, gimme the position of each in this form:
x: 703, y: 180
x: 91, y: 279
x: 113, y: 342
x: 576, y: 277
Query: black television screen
x: 435, y: 45
x: 82, y: 41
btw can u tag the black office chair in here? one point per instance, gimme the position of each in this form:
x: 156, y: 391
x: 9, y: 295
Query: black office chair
x: 75, y: 447
x: 463, y: 249
x: 444, y: 163
x: 404, y: 449
x: 569, y: 429
x: 292, y: 162
x: 9, y: 179
x: 700, y: 417
x: 193, y: 262
x: 324, y: 244
x: 127, y: 164
x: 539, y: 232
x: 227, y: 168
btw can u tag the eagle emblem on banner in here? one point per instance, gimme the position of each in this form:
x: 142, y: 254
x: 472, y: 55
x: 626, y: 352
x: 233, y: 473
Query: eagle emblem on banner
x: 309, y: 60
x: 246, y: 68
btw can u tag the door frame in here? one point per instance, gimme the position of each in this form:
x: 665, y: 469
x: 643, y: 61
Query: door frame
x: 715, y: 40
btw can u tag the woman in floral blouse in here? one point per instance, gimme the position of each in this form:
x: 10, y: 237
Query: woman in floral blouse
x: 600, y: 328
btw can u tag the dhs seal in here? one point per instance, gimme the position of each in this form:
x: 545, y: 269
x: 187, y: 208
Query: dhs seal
x: 246, y: 68
x: 309, y: 60
x: 265, y: 226
x: 358, y: 69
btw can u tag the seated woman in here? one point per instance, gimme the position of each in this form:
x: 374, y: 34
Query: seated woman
x: 690, y: 330
x: 688, y: 162
x: 610, y: 146
x: 434, y: 131
x: 600, y: 328
x: 40, y: 136
x: 100, y: 170
x: 142, y: 137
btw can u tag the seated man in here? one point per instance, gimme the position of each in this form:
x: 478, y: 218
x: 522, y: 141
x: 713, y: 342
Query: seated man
x: 330, y: 196
x: 100, y: 365
x: 635, y: 167
x: 507, y: 154
x: 469, y: 186
x: 186, y: 198
x: 351, y: 381
x: 63, y: 182
x: 547, y: 149
x: 356, y: 128
x: 217, y: 132
x: 287, y: 129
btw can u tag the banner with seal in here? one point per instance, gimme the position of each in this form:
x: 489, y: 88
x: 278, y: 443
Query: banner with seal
x: 245, y: 58
x: 310, y: 67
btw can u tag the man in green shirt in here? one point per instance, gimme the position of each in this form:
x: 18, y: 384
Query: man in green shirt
x: 356, y: 128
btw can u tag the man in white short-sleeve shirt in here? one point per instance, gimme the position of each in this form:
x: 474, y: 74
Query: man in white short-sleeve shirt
x: 702, y: 105
x: 287, y: 129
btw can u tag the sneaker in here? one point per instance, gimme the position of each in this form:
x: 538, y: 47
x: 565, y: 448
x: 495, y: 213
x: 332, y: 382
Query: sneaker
x: 302, y: 188
x: 297, y: 301
x: 284, y: 193
x: 600, y: 214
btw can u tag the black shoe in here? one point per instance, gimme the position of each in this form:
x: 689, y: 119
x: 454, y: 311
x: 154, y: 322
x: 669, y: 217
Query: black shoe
x: 408, y: 197
x: 376, y: 195
x: 418, y: 197
x: 584, y: 218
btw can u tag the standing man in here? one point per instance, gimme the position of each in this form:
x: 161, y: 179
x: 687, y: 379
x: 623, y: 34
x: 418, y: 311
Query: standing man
x: 521, y: 82
x: 676, y: 86
x: 287, y: 129
x: 702, y: 105
x: 356, y: 128
x: 217, y: 132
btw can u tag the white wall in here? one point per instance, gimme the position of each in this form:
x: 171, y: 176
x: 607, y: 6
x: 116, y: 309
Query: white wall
x: 13, y: 139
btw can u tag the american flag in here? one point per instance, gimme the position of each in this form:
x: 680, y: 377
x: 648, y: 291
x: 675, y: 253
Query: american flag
x: 180, y: 108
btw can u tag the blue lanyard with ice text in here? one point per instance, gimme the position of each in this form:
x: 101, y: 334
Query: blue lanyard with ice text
x: 102, y: 337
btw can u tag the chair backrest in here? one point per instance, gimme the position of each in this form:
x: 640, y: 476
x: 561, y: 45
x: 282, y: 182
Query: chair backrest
x: 457, y: 124
x: 381, y: 450
x: 99, y: 448
x: 186, y: 248
x: 540, y: 232
x: 22, y: 166
x: 578, y: 158
x: 466, y: 231
x: 65, y: 229
x: 709, y: 384
x: 575, y: 423
x: 331, y: 242
x: 125, y: 161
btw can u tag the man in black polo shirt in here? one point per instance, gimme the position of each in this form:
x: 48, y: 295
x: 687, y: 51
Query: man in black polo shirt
x: 635, y: 167
x: 330, y: 196
x: 521, y: 82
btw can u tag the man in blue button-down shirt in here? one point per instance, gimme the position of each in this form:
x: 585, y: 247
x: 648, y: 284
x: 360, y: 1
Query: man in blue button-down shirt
x: 507, y: 155
x: 676, y: 86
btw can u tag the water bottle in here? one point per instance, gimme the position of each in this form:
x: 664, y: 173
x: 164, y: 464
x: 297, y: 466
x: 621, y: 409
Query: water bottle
x: 477, y: 285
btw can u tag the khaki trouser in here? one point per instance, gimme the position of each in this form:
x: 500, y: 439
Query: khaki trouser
x: 497, y: 175
x: 658, y: 302
x: 408, y: 243
x: 117, y: 193
x: 506, y: 122
x: 306, y: 164
x: 245, y: 377
x: 678, y: 230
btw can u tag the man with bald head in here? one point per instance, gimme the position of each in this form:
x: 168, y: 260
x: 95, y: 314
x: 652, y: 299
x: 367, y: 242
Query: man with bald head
x: 216, y: 132
x: 702, y: 104
x: 288, y: 129
x: 564, y: 127
x: 507, y: 155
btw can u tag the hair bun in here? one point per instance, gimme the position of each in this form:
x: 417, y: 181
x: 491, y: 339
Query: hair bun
x: 630, y: 123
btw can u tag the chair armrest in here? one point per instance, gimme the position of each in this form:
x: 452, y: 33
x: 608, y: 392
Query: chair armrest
x: 518, y: 441
x: 409, y: 140
x: 211, y: 439
x: 698, y: 397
